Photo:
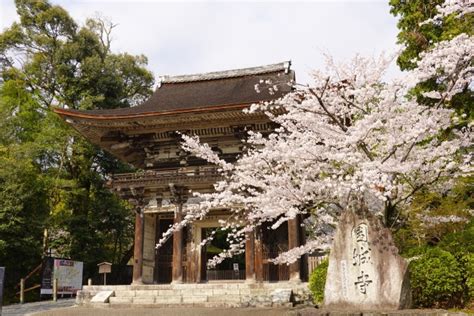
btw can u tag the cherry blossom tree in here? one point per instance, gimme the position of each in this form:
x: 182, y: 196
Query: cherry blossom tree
x: 349, y: 139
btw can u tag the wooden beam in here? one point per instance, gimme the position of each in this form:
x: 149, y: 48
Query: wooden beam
x: 30, y: 289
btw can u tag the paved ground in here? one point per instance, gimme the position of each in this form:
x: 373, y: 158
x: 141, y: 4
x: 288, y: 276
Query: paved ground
x: 26, y: 309
x: 175, y: 311
x: 66, y: 307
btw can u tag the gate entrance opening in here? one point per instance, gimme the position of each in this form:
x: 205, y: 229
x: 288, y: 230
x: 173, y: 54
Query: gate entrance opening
x: 229, y: 269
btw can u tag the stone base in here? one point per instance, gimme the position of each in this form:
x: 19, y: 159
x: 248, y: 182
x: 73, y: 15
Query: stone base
x: 365, y: 271
x: 281, y: 294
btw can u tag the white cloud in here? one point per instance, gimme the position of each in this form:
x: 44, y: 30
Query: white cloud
x: 188, y: 37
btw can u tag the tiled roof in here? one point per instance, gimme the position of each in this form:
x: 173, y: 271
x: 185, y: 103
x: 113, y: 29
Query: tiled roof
x: 210, y: 90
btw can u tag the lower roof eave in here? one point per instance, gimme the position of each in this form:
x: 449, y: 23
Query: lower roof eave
x: 105, y: 116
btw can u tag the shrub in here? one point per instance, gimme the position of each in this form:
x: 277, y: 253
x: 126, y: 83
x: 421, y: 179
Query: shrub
x: 469, y: 266
x: 461, y: 242
x: 436, y: 280
x: 317, y: 281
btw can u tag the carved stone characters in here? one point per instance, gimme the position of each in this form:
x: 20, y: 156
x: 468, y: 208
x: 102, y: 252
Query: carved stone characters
x: 365, y: 271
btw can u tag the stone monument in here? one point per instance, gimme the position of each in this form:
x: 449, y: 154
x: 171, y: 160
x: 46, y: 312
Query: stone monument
x: 365, y: 271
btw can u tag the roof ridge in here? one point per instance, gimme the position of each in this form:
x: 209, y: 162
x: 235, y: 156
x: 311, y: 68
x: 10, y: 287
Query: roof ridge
x: 233, y: 73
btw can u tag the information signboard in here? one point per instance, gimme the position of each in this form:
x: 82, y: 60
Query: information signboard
x: 68, y: 273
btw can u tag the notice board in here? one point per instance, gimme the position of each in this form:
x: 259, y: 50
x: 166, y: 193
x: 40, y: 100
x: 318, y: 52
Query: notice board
x: 68, y: 272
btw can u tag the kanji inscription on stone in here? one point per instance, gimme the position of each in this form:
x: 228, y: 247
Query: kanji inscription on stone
x: 363, y: 275
x: 361, y: 233
x: 361, y: 255
x: 362, y: 282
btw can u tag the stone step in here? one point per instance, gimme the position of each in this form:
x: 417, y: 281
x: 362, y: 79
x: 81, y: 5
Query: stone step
x: 201, y: 294
x: 194, y: 299
x: 168, y: 299
x: 225, y: 298
x: 125, y: 293
x: 143, y: 300
x: 120, y: 300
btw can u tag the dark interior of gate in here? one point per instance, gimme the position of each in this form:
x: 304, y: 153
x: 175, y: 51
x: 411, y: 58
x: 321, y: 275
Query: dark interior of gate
x: 164, y: 254
x: 274, y: 242
x: 231, y: 268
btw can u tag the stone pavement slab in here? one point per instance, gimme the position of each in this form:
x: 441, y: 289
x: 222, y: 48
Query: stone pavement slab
x: 167, y: 311
x: 28, y: 308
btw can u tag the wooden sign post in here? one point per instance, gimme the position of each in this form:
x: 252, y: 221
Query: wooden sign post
x: 104, y: 268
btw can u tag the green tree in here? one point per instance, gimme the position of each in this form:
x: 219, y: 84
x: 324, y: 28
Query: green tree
x: 52, y: 180
x: 423, y: 232
x: 417, y: 37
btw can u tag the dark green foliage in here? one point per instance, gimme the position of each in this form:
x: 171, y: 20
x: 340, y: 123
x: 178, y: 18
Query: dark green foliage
x: 418, y: 37
x: 469, y: 275
x: 23, y: 209
x: 437, y: 280
x: 415, y: 233
x: 52, y: 181
x: 460, y: 242
x: 317, y: 281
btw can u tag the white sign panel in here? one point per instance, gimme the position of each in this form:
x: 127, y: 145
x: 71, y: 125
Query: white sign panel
x: 69, y: 275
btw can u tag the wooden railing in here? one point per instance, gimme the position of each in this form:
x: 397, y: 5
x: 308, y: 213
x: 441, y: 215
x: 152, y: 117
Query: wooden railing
x: 314, y: 262
x: 180, y: 175
x: 213, y: 275
x: 22, y: 283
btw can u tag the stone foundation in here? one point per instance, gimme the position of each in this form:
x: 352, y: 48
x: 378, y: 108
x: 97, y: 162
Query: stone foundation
x: 281, y: 294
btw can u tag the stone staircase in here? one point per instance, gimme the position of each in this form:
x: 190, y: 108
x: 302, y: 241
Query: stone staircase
x: 202, y: 294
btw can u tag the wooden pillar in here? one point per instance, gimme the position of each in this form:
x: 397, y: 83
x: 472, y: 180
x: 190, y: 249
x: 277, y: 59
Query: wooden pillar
x: 192, y: 264
x: 258, y: 255
x: 294, y: 241
x: 138, y: 249
x: 250, y: 257
x: 177, y: 269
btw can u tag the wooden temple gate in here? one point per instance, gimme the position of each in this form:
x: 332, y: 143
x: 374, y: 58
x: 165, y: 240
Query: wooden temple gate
x: 210, y: 106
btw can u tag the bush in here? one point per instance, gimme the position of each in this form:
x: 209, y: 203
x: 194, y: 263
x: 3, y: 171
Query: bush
x: 469, y: 266
x: 437, y: 280
x: 461, y: 242
x: 317, y: 281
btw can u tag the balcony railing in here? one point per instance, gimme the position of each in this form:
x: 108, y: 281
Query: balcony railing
x: 188, y: 176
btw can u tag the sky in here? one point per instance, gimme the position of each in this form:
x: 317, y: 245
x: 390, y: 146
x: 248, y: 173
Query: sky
x: 189, y: 37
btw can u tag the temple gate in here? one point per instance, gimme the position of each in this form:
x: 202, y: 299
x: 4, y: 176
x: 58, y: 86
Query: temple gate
x: 210, y: 106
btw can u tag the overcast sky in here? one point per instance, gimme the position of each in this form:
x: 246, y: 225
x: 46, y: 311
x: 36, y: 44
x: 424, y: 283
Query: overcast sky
x: 196, y: 36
